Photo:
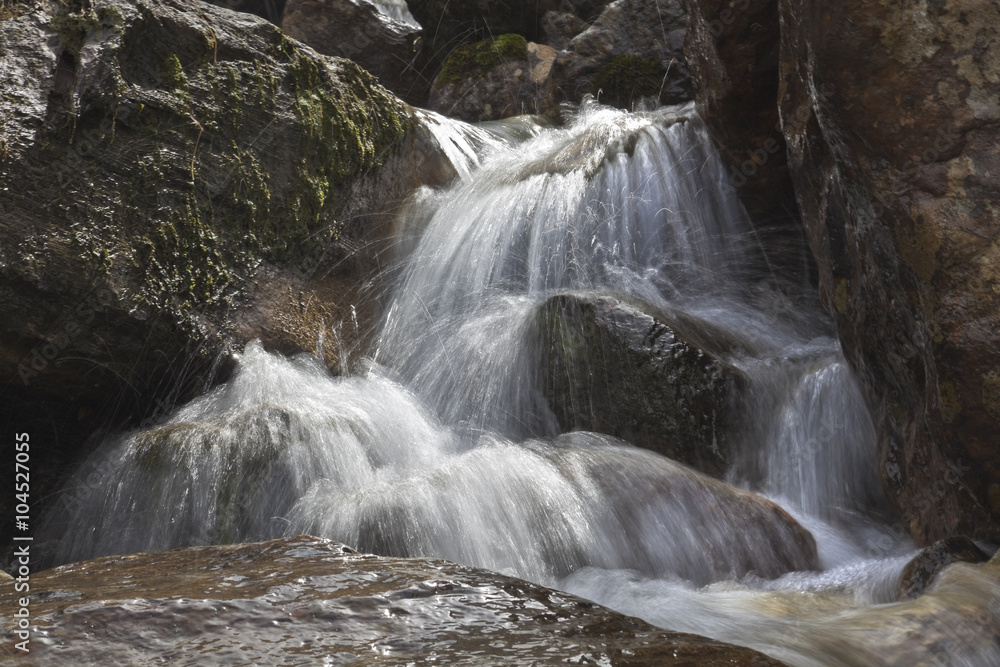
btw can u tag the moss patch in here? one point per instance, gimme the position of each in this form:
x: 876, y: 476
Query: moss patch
x: 475, y: 60
x: 627, y: 79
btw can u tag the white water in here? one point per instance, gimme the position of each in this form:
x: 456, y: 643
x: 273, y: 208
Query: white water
x: 396, y: 9
x: 442, y: 444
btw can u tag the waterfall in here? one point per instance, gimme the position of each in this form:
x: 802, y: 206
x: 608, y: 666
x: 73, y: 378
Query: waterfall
x: 442, y: 443
x: 396, y: 9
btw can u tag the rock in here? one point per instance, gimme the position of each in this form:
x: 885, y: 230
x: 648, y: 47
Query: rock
x: 559, y: 28
x: 308, y: 599
x: 489, y: 80
x: 732, y: 51
x: 449, y: 25
x: 357, y: 30
x: 892, y: 119
x: 266, y: 9
x: 633, y: 51
x: 588, y: 10
x: 925, y: 566
x: 176, y: 181
x: 614, y: 369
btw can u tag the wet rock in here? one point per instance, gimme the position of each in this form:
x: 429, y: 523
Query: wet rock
x: 632, y: 52
x: 356, y: 29
x: 306, y: 599
x: 613, y: 368
x: 925, y: 566
x: 176, y: 181
x: 732, y: 51
x: 892, y: 120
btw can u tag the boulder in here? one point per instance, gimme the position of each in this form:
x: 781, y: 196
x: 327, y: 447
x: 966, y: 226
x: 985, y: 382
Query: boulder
x: 490, y: 80
x: 925, y: 566
x: 632, y: 52
x: 356, y: 29
x: 306, y: 599
x: 177, y: 179
x: 610, y: 367
x: 892, y: 119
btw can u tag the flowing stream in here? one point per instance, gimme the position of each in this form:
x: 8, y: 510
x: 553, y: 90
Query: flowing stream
x: 442, y: 442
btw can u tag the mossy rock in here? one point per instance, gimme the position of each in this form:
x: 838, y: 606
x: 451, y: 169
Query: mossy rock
x: 471, y: 61
x: 164, y: 165
x: 628, y: 79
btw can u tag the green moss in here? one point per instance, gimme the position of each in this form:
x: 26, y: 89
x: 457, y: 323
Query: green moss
x: 173, y: 75
x: 475, y: 60
x: 627, y: 79
x: 347, y: 127
x: 74, y: 26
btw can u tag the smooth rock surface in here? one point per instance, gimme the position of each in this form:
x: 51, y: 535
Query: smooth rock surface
x: 632, y: 52
x: 305, y: 600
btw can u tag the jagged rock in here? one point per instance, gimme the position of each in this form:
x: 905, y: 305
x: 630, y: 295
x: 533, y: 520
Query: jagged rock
x: 176, y: 181
x: 892, y: 118
x: 612, y: 368
x: 633, y: 51
x: 305, y: 599
x: 925, y: 566
x: 356, y: 29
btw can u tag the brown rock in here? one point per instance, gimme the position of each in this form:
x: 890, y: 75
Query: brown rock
x: 892, y: 117
x: 307, y: 599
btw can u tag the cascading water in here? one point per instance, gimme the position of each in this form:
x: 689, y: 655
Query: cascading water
x: 443, y: 443
x: 396, y: 9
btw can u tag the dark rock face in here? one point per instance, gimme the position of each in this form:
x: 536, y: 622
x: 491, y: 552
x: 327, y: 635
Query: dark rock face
x: 732, y: 51
x: 633, y: 51
x: 921, y: 571
x: 612, y: 368
x: 176, y: 179
x: 357, y: 30
x: 892, y: 117
x: 492, y: 79
x: 306, y: 599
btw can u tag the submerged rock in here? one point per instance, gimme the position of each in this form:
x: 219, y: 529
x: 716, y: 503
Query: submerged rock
x: 925, y: 566
x: 307, y: 600
x: 612, y: 368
